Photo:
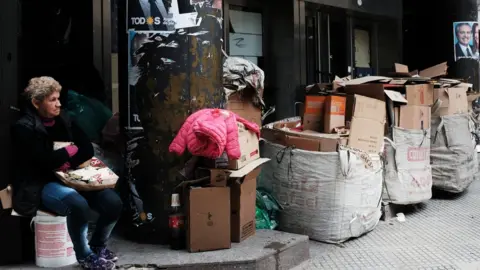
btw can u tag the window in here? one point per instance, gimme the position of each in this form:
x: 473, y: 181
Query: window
x: 246, y: 35
x: 362, y: 48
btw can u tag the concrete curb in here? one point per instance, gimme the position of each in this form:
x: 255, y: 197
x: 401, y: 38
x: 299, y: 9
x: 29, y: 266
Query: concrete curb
x: 267, y: 250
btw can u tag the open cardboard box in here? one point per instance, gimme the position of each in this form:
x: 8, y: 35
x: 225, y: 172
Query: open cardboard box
x: 243, y: 187
x: 307, y: 140
x: 450, y: 101
x: 249, y: 148
x: 219, y: 215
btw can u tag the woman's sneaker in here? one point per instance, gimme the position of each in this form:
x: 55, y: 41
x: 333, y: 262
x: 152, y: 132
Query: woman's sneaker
x: 93, y: 262
x: 104, y: 253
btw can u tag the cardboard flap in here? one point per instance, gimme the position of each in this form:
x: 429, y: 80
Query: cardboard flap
x: 435, y: 71
x: 401, y: 68
x: 369, y: 108
x: 395, y: 96
x: 6, y: 198
x: 398, y: 82
x: 248, y: 168
x: 374, y: 90
x: 368, y: 79
x: 472, y: 97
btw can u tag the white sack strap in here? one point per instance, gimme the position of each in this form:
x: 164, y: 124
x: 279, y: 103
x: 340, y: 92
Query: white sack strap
x: 390, y: 142
x: 345, y: 164
x: 439, y: 129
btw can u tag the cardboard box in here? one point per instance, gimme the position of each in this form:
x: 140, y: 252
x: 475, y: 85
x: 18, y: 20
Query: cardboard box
x: 249, y: 147
x: 243, y: 106
x: 307, y: 140
x: 415, y: 117
x: 282, y: 125
x: 6, y: 198
x: 317, y: 145
x: 314, y: 113
x: 217, y: 177
x: 208, y: 219
x: 419, y: 94
x: 453, y: 101
x: 243, y: 199
x: 334, y: 113
x: 367, y: 125
x: 374, y: 91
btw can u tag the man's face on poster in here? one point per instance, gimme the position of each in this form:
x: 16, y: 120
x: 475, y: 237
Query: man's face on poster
x: 464, y: 34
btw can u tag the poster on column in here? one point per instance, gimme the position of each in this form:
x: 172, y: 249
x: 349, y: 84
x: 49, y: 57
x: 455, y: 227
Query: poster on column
x: 155, y: 55
x: 465, y: 39
x: 134, y: 43
x: 148, y: 52
x: 167, y: 15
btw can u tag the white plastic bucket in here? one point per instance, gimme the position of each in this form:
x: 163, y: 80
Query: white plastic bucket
x: 53, y: 246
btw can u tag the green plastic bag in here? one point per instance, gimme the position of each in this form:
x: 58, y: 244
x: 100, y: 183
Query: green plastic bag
x: 267, y: 210
x: 262, y: 219
x: 90, y: 114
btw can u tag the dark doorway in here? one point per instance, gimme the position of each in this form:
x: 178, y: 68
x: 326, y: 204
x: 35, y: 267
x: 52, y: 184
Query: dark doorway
x: 328, y: 40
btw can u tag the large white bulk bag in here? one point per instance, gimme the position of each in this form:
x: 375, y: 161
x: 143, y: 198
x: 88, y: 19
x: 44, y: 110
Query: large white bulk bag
x: 408, y: 174
x: 330, y: 197
x: 453, y: 156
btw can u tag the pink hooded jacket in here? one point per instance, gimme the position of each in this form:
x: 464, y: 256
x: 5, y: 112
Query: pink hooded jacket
x: 209, y: 133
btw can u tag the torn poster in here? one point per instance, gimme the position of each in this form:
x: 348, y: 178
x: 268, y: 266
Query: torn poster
x: 167, y: 15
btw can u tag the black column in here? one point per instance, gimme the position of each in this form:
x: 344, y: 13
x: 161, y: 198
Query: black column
x: 178, y: 70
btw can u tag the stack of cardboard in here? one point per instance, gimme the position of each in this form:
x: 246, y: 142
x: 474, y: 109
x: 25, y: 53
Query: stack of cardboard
x: 358, y: 112
x: 414, y: 112
x: 353, y: 114
x: 220, y: 203
x: 429, y: 92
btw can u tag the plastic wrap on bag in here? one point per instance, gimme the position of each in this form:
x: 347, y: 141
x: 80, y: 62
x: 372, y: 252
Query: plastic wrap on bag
x: 238, y: 74
x: 408, y: 174
x: 453, y: 156
x: 330, y: 197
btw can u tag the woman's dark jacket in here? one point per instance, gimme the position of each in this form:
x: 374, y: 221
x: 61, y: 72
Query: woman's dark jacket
x: 35, y: 160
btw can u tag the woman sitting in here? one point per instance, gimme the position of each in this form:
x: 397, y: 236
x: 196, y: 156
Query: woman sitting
x: 35, y: 185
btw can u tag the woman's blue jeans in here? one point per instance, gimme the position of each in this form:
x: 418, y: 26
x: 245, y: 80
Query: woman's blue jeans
x: 74, y: 205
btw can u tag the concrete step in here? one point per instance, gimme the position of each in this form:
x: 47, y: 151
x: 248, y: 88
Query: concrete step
x: 267, y: 250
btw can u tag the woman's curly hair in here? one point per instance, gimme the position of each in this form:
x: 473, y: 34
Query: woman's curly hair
x: 40, y: 88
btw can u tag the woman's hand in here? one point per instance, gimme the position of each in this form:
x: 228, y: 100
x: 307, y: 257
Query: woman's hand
x: 72, y: 150
x: 65, y: 167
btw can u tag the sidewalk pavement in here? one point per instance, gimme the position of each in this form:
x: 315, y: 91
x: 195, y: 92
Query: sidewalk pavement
x: 443, y: 233
x: 267, y: 250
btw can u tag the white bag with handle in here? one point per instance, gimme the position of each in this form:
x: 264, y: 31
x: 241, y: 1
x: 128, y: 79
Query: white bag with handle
x: 331, y: 197
x: 408, y: 174
x: 453, y: 153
